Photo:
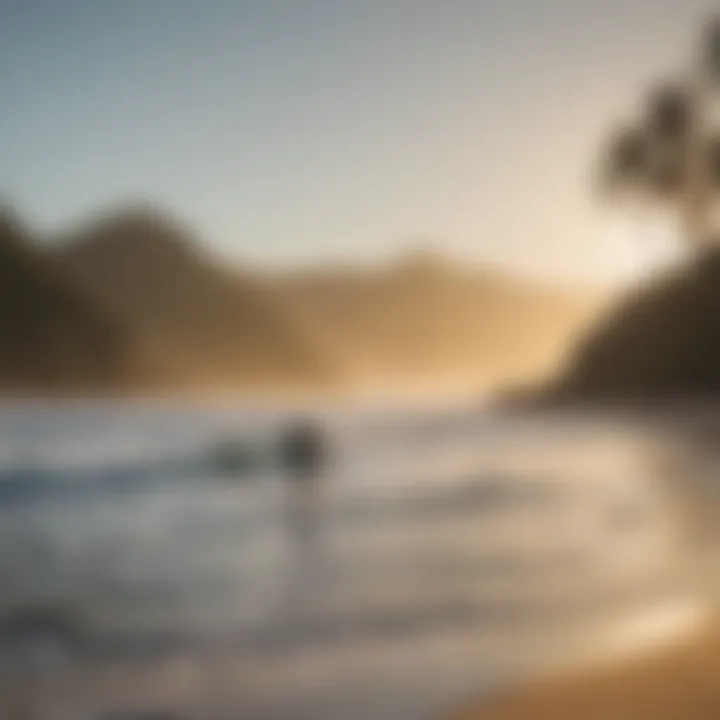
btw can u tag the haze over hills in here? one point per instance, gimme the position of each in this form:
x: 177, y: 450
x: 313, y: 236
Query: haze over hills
x: 425, y: 319
x: 215, y: 327
x: 130, y: 302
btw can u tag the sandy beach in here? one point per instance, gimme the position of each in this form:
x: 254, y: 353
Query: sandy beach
x: 679, y: 681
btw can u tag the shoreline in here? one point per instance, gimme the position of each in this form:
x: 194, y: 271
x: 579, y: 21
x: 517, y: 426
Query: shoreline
x: 282, y: 398
x: 678, y: 679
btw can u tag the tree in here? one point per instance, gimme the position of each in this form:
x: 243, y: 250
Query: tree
x: 671, y: 154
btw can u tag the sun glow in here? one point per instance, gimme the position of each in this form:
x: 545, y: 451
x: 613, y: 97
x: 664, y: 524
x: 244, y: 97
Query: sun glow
x: 645, y: 245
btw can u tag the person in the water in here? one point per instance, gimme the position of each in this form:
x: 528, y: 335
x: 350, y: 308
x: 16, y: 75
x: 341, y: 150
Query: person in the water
x: 303, y: 457
x: 302, y: 452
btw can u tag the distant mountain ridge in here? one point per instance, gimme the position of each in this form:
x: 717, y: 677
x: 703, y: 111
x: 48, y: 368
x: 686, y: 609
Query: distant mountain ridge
x: 214, y: 326
x: 130, y: 302
x: 433, y: 322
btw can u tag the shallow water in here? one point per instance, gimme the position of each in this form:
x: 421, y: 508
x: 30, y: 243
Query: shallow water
x: 449, y: 549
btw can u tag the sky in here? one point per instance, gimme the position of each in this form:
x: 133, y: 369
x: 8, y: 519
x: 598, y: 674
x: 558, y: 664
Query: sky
x: 293, y: 132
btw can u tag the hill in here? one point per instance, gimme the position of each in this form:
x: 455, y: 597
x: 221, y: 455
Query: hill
x: 52, y: 336
x: 211, y: 327
x: 420, y: 322
x: 426, y: 320
x: 660, y: 342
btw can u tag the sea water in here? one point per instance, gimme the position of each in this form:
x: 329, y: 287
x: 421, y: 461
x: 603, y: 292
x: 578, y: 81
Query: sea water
x: 452, y: 547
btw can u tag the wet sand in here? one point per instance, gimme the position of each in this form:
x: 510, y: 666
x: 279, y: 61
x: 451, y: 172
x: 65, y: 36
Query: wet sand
x: 679, y: 681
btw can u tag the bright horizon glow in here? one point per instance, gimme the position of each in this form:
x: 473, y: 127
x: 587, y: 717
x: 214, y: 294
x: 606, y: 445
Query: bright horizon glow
x: 646, y: 243
x: 294, y: 133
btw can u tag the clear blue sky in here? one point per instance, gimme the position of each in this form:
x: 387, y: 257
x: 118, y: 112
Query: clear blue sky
x: 300, y: 130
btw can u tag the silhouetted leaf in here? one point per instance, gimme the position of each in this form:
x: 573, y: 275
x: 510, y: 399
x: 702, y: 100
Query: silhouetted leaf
x: 666, y: 170
x: 669, y: 113
x: 711, y: 49
x: 627, y: 158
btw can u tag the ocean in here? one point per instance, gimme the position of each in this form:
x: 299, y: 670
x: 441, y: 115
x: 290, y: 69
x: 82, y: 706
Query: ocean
x: 452, y: 553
